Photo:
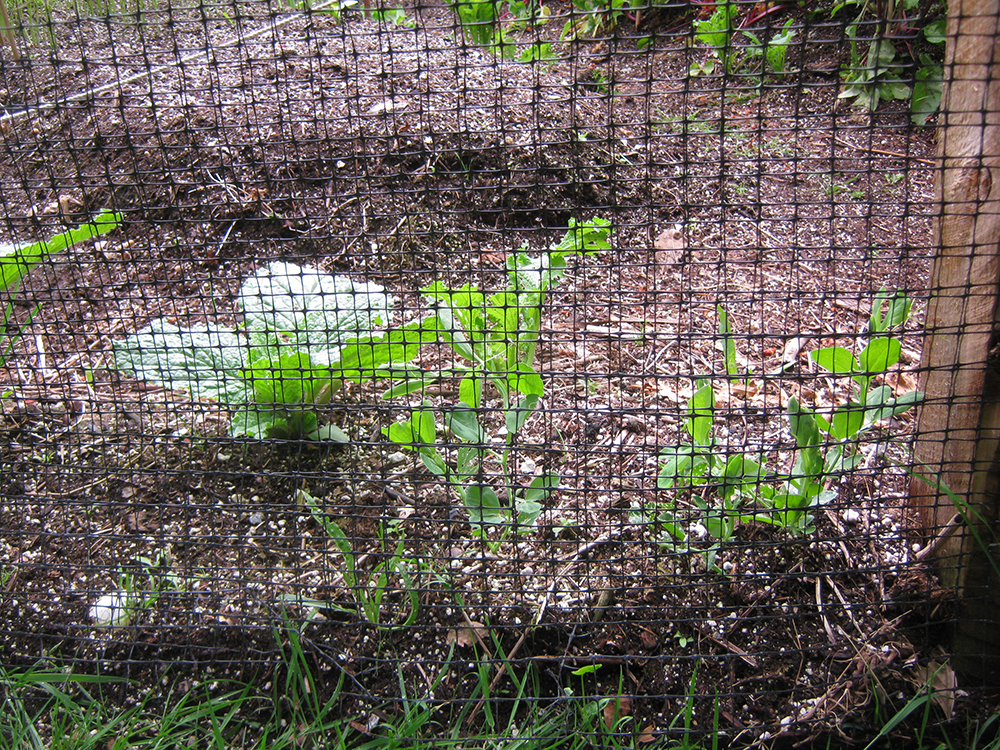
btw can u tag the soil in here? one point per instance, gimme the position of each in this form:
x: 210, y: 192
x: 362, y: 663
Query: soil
x: 231, y: 137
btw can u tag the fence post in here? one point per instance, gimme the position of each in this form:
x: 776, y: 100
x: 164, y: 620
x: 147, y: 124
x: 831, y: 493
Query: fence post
x: 958, y: 435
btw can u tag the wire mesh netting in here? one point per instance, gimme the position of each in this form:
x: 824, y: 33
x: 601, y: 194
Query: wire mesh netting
x: 505, y: 362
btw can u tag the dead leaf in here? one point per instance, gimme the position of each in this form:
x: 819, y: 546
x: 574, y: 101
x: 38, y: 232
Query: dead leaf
x: 647, y: 735
x: 649, y: 639
x: 669, y: 246
x: 615, y: 709
x: 465, y: 636
x: 942, y: 682
x: 791, y: 351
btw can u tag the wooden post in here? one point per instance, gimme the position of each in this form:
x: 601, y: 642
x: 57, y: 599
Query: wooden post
x: 958, y: 435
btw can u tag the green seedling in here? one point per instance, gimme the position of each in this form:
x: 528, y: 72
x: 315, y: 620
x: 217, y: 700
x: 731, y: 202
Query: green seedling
x: 870, y: 403
x: 789, y: 504
x: 303, y: 334
x: 720, y: 486
x: 369, y: 588
x: 495, y: 337
x: 17, y: 260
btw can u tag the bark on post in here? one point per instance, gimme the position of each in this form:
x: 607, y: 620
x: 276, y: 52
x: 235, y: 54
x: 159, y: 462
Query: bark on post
x: 958, y: 435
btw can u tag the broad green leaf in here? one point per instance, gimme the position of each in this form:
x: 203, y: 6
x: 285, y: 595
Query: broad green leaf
x: 424, y: 426
x: 836, y: 359
x: 701, y: 407
x: 885, y: 406
x: 450, y: 332
x: 332, y: 433
x: 677, y: 466
x: 207, y: 361
x: 434, y: 463
x: 517, y: 415
x: 464, y: 423
x: 528, y: 512
x: 803, y: 427
x: 526, y: 381
x: 483, y: 505
x: 287, y: 379
x: 541, y: 487
x: 470, y: 391
x: 401, y: 433
x: 889, y: 311
x: 741, y: 474
x: 383, y: 356
x: 312, y: 310
x: 847, y: 421
x: 880, y: 354
x: 255, y: 421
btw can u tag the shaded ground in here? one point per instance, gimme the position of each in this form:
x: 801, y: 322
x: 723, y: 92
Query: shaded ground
x: 401, y: 156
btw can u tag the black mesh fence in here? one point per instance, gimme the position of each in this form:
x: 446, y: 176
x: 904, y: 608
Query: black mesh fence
x: 560, y: 360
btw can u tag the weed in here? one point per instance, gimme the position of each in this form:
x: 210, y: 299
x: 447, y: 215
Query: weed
x: 368, y: 588
x: 726, y: 490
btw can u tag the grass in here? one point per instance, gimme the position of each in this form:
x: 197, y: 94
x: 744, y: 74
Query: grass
x: 295, y: 708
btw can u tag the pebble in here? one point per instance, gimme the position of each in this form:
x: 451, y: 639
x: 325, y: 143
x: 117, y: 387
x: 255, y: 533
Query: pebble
x: 398, y: 457
x: 256, y: 519
x: 851, y: 516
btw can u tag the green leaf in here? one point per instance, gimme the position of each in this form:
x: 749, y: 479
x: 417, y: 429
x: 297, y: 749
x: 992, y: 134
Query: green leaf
x: 383, y: 356
x: 847, y: 421
x: 419, y: 429
x: 516, y: 416
x: 470, y: 391
x: 483, y: 505
x: 434, y: 463
x: 803, y: 427
x: 464, y: 423
x: 836, y: 359
x: 742, y: 473
x: 256, y: 421
x: 526, y: 381
x: 880, y: 354
x: 528, y: 512
x: 17, y: 260
x: 701, y: 407
x: 542, y: 487
x: 207, y: 361
x: 727, y: 344
x: 331, y: 433
x: 936, y: 31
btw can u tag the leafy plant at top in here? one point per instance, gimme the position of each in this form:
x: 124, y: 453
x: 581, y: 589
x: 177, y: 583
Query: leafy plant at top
x: 480, y: 20
x: 881, y: 39
x: 303, y: 333
x: 495, y: 336
x: 17, y: 260
x: 717, y: 34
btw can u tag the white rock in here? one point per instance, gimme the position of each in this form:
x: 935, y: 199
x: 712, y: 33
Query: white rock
x: 851, y: 516
x: 111, y: 610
